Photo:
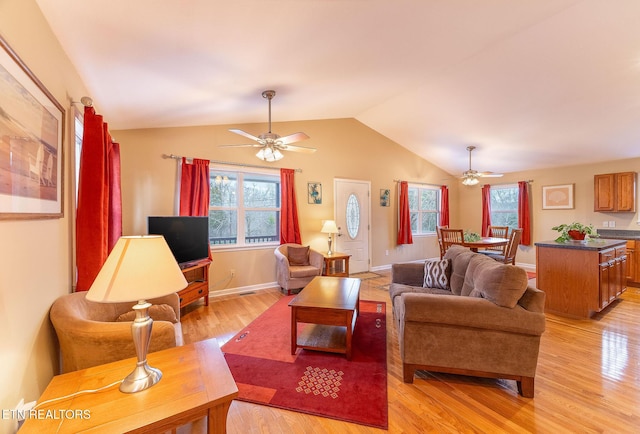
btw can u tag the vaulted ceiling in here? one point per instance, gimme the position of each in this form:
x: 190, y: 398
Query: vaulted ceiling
x: 531, y: 83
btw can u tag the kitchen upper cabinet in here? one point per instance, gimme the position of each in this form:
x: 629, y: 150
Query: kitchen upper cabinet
x: 615, y: 192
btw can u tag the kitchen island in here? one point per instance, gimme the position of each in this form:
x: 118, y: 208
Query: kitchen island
x: 580, y: 278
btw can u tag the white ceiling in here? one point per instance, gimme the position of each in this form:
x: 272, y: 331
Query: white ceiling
x: 532, y: 83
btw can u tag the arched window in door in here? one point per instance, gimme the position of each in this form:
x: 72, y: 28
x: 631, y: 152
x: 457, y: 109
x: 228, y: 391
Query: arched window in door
x: 353, y: 216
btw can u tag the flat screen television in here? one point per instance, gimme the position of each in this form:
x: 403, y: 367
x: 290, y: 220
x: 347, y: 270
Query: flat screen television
x: 187, y: 237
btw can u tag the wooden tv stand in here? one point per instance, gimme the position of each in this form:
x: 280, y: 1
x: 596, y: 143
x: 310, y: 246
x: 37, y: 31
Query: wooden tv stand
x: 197, y: 275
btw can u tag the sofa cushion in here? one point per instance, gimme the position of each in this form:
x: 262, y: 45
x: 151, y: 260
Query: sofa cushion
x: 437, y: 274
x: 460, y: 257
x: 297, y: 271
x: 397, y: 289
x: 298, y: 255
x: 157, y: 312
x: 503, y: 284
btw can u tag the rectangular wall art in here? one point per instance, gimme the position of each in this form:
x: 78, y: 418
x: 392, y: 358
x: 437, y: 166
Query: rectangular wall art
x: 31, y: 134
x: 314, y: 193
x: 557, y: 196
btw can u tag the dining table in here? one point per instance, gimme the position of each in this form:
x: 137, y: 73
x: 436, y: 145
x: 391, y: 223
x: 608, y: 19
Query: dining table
x: 485, y: 242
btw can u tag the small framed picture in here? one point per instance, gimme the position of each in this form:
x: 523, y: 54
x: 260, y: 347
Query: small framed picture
x: 314, y: 193
x: 385, y: 197
x: 557, y: 196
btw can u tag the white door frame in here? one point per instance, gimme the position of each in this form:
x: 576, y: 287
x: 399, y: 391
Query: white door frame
x: 368, y: 223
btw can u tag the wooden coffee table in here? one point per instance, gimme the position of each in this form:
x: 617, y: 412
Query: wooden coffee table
x: 329, y: 307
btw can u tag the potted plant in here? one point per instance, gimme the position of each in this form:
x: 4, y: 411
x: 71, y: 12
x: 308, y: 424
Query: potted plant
x: 574, y: 231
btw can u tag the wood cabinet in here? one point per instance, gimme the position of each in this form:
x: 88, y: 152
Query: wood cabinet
x: 583, y: 278
x: 633, y: 263
x: 615, y: 192
x: 197, y: 276
x: 613, y: 275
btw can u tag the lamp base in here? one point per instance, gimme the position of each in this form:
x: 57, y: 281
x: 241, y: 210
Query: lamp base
x: 142, y: 377
x: 329, y: 252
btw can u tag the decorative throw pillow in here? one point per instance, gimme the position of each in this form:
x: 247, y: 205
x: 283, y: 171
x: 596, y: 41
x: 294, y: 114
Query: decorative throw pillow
x: 157, y: 312
x: 437, y: 274
x: 298, y: 255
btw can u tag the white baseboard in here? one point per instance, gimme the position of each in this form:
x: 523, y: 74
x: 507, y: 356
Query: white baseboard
x: 242, y: 289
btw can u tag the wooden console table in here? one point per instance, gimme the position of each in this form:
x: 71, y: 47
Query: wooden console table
x: 197, y: 275
x: 196, y: 383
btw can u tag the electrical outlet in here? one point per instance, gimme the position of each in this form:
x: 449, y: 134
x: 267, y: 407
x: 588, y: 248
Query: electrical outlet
x: 386, y: 253
x: 612, y: 223
x: 233, y: 272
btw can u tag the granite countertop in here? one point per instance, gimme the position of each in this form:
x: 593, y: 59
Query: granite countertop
x: 621, y: 234
x: 594, y: 244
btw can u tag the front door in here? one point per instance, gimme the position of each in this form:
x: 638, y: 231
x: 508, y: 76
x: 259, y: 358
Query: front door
x: 352, y: 211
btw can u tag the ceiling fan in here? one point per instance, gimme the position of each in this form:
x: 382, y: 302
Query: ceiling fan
x: 471, y: 177
x: 271, y: 144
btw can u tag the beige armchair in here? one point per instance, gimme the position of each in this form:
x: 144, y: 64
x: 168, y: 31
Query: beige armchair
x: 92, y: 334
x: 296, y: 266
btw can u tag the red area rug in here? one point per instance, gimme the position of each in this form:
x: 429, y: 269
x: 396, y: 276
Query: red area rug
x: 313, y: 382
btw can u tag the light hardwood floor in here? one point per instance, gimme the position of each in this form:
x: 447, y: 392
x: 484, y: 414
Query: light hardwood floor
x: 588, y: 378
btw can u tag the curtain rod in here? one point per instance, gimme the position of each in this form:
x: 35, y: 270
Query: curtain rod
x: 528, y: 181
x: 420, y: 183
x: 227, y: 163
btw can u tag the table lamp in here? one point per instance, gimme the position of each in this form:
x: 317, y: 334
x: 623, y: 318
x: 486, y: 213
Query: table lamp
x: 138, y: 268
x: 329, y: 227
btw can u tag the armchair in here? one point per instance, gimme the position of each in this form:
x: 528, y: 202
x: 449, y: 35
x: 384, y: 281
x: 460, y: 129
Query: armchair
x: 295, y: 268
x: 92, y: 334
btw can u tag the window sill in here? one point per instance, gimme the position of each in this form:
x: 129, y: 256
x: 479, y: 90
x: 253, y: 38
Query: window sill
x: 223, y: 248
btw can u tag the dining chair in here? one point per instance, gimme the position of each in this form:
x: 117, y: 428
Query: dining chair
x: 497, y: 232
x: 439, y: 235
x: 451, y: 237
x: 509, y: 256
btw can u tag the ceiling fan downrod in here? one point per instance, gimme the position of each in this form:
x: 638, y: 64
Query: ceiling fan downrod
x: 269, y: 94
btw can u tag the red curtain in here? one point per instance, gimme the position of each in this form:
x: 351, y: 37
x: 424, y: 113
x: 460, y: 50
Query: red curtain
x: 99, y: 210
x: 486, y: 209
x: 524, y: 214
x: 289, y: 226
x: 194, y: 188
x: 444, y: 206
x: 404, y: 216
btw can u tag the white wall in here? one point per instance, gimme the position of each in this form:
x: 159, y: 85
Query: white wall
x: 35, y: 255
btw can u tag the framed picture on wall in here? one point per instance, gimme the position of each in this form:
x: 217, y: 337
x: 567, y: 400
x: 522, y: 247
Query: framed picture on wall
x: 557, y: 196
x: 31, y: 134
x: 314, y: 193
x: 385, y: 197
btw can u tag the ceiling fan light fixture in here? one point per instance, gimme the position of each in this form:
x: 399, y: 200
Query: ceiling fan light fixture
x: 269, y: 154
x: 470, y: 180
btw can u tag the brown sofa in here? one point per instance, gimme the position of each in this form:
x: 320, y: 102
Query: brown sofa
x: 476, y: 317
x: 92, y: 334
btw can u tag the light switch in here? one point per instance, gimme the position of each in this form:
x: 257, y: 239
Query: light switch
x: 612, y: 223
x: 605, y: 224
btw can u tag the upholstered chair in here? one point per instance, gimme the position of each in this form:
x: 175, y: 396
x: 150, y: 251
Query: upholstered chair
x: 92, y: 334
x: 296, y: 266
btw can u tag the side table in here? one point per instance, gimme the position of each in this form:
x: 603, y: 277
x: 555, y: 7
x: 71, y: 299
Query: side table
x: 196, y: 383
x: 336, y: 264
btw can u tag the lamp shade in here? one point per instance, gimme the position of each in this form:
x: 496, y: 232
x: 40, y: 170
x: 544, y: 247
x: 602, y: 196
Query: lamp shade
x: 138, y: 268
x: 329, y: 227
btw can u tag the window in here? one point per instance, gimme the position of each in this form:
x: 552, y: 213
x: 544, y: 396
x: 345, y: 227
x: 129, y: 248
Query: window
x: 424, y: 208
x: 244, y: 208
x: 504, y: 206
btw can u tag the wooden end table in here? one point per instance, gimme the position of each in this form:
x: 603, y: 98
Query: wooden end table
x: 336, y: 264
x: 329, y: 306
x: 196, y: 382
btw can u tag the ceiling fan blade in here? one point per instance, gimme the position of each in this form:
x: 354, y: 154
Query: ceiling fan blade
x: 490, y: 175
x: 303, y: 149
x: 248, y: 145
x: 244, y: 133
x: 292, y: 138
